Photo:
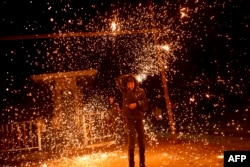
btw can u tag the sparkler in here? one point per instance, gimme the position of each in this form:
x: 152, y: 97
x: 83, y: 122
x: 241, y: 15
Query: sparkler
x: 114, y: 27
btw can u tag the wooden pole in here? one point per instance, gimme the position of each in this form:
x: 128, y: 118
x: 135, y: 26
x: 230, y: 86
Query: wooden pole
x: 163, y: 76
x: 73, y: 34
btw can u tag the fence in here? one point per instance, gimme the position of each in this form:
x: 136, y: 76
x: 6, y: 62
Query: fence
x: 97, y: 126
x: 20, y: 136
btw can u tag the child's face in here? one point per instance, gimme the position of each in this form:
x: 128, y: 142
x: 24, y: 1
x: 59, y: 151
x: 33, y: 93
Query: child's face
x: 131, y: 85
x: 111, y: 99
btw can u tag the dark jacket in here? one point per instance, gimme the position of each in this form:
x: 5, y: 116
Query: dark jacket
x: 137, y: 96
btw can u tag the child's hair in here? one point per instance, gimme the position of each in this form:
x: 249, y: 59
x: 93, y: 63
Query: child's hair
x: 130, y: 79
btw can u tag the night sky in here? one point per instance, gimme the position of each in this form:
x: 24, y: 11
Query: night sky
x: 207, y: 66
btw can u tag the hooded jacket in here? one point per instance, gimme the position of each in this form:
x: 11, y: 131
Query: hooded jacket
x: 137, y: 95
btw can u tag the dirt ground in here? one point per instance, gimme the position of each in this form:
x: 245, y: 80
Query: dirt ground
x: 189, y: 150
